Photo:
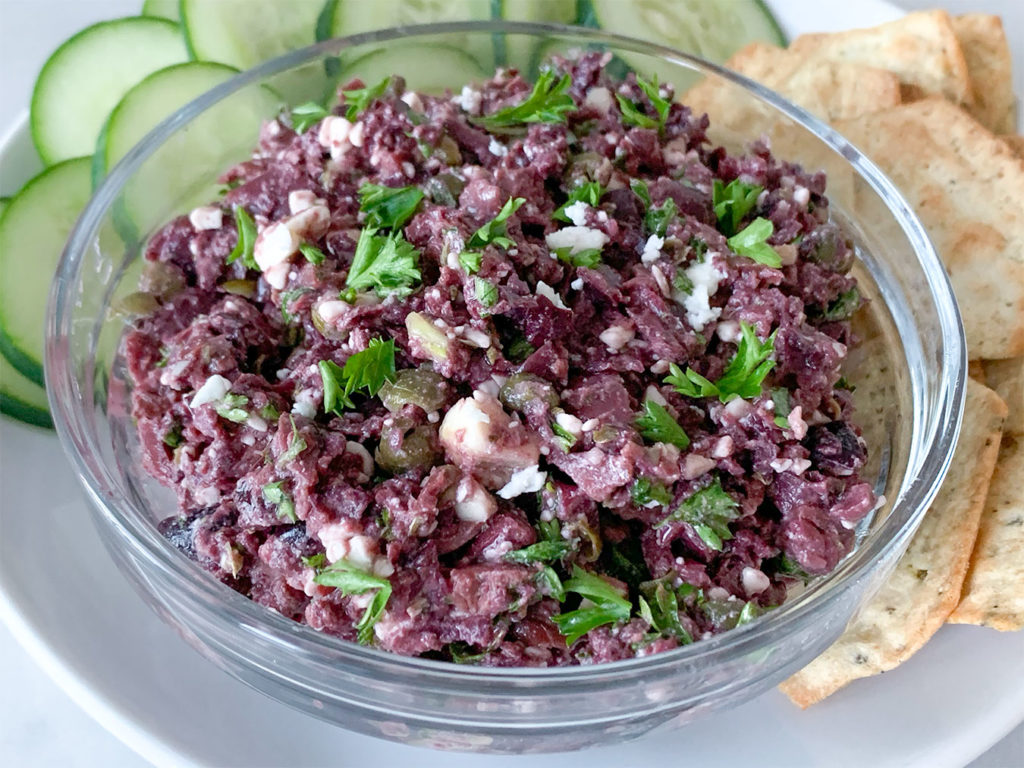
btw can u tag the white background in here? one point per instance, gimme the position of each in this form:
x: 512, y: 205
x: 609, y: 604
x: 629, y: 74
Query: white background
x: 39, y: 725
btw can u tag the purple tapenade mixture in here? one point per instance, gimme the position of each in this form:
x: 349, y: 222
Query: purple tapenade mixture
x: 534, y: 375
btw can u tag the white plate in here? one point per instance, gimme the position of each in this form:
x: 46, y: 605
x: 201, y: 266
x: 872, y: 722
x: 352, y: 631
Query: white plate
x: 68, y: 606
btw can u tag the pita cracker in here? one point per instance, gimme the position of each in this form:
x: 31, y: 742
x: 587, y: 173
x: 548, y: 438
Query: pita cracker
x: 1015, y: 143
x: 990, y: 68
x: 1006, y: 377
x: 966, y: 187
x: 993, y: 594
x: 920, y: 48
x: 925, y: 587
x: 976, y: 371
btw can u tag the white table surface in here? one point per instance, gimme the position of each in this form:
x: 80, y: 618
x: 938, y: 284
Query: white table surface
x: 39, y: 725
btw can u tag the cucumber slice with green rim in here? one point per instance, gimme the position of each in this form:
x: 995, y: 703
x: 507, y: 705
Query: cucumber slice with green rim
x: 711, y: 29
x: 152, y: 100
x: 89, y: 73
x: 162, y: 9
x: 520, y: 50
x: 243, y: 33
x: 426, y: 68
x: 20, y: 398
x: 33, y: 229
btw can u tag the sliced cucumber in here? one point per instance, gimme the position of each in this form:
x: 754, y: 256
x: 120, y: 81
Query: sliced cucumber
x: 426, y: 68
x: 33, y: 229
x: 84, y: 78
x: 712, y: 29
x: 162, y: 9
x: 520, y: 50
x: 152, y: 100
x: 20, y: 398
x: 243, y: 33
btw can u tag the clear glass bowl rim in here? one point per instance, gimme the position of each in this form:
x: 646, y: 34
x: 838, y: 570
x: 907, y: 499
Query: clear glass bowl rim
x: 929, y: 458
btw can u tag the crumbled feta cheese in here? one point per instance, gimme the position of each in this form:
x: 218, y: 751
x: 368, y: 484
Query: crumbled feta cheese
x: 212, y: 391
x: 569, y: 423
x: 616, y: 337
x: 301, y: 199
x: 412, y: 100
x: 660, y: 367
x: 754, y: 581
x: 723, y: 447
x: 496, y: 148
x: 796, y: 422
x: 800, y: 466
x: 653, y: 394
x: 331, y: 310
x: 256, y: 422
x: 206, y: 217
x: 696, y: 465
x: 470, y: 100
x: 576, y: 239
x: 590, y: 425
x: 336, y: 537
x: 274, y: 245
x: 277, y: 275
x: 408, y: 169
x: 577, y: 284
x: 600, y: 98
x: 728, y: 330
x: 801, y: 196
x: 526, y: 480
x: 652, y: 249
x: 473, y: 503
x: 704, y: 276
x: 661, y: 280
x: 333, y: 135
x: 476, y: 338
x: 305, y: 403
x: 781, y: 465
x: 577, y: 212
x: 545, y: 290
x: 356, y: 135
x: 311, y: 223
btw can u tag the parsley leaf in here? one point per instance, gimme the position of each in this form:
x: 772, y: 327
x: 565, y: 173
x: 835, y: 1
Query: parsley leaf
x: 588, y: 257
x: 352, y: 581
x: 358, y: 99
x: 643, y: 492
x: 656, y: 220
x: 732, y: 202
x: 304, y: 116
x: 656, y: 424
x: 287, y: 297
x: 230, y: 407
x: 842, y: 306
x: 367, y: 370
x: 494, y: 231
x: 660, y: 103
x: 316, y: 562
x: 780, y: 398
x: 742, y: 377
x: 274, y: 493
x: 296, y: 445
x: 388, y: 206
x: 548, y: 103
x: 385, y: 263
x: 659, y: 607
x: 313, y: 254
x: 172, y: 437
x: 609, y: 606
x: 541, y: 552
x: 752, y: 242
x: 565, y: 438
x: 246, y: 240
x: 589, y: 193
x: 639, y: 187
x: 486, y: 292
x: 709, y: 511
x: 550, y: 584
x: 470, y: 261
x: 631, y: 113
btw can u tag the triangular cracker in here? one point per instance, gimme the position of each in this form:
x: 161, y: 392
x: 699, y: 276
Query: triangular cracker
x: 990, y: 68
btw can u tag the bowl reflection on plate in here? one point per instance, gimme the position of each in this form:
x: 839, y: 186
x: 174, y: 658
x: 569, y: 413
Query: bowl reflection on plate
x: 910, y: 373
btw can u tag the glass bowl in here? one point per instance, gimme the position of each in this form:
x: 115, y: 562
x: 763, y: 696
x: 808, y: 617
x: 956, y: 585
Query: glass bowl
x: 910, y: 371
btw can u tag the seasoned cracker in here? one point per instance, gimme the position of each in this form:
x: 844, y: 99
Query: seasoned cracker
x: 920, y: 48
x: 967, y: 187
x: 925, y: 587
x: 1015, y: 143
x: 990, y: 68
x: 1006, y: 377
x: 993, y: 593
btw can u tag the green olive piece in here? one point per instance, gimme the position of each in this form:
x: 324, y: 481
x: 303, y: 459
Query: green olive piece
x: 522, y: 389
x: 400, y: 451
x: 415, y: 386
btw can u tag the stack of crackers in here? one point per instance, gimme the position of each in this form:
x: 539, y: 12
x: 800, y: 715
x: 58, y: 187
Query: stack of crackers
x: 929, y: 98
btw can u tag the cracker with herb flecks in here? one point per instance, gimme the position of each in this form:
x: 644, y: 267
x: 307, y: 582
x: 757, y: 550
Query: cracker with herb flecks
x: 990, y: 68
x: 827, y: 89
x: 993, y: 593
x: 1015, y: 143
x: 920, y: 48
x: 924, y: 589
x: 966, y: 186
x: 1006, y: 377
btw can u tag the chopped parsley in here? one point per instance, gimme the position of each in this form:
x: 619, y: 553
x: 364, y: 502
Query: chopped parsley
x: 780, y: 398
x: 752, y: 242
x: 269, y: 412
x: 548, y: 103
x: 656, y: 424
x: 287, y: 297
x: 470, y: 261
x: 312, y: 254
x: 296, y: 444
x: 368, y: 370
x: 316, y: 562
x: 494, y: 231
x: 385, y: 263
x: 165, y: 355
x: 656, y: 220
x: 274, y: 493
x: 643, y: 491
x: 173, y: 438
x: 246, y: 240
x: 742, y: 377
x: 486, y: 292
x: 565, y: 438
x: 463, y: 653
x: 358, y: 99
x: 639, y: 187
x: 541, y: 552
x: 589, y: 193
x: 388, y: 206
x: 230, y: 407
x: 631, y: 113
x: 549, y: 583
x: 732, y: 202
x: 518, y: 349
x: 842, y: 306
x: 709, y: 511
x: 304, y: 116
x: 659, y: 607
x: 624, y: 560
x: 350, y: 580
x: 588, y: 257
x: 609, y: 605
